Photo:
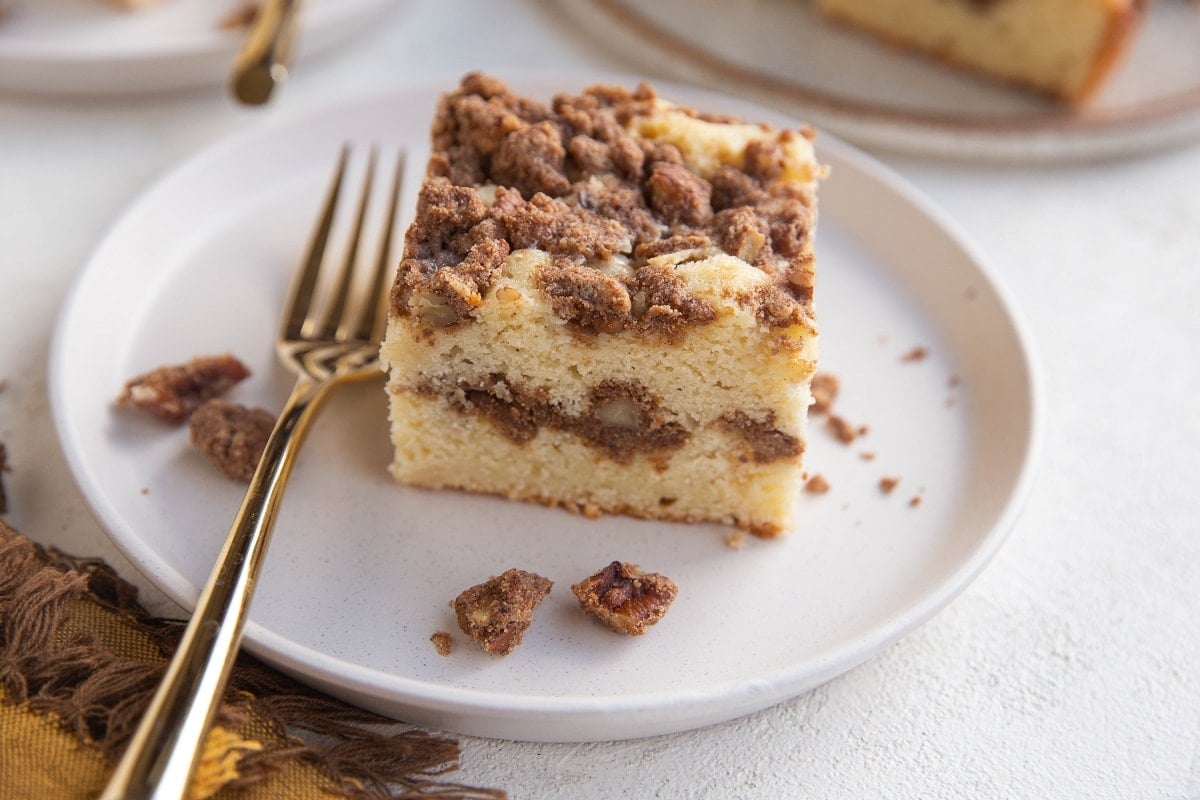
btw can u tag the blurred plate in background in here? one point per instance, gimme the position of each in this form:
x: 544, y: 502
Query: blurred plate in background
x: 85, y: 47
x: 785, y: 53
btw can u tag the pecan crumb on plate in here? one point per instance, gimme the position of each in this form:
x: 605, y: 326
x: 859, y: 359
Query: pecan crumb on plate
x: 842, y: 430
x: 824, y: 391
x: 497, y: 613
x: 817, y: 485
x: 887, y: 484
x: 918, y: 353
x: 444, y: 643
x: 624, y: 598
x: 173, y: 392
x: 232, y: 436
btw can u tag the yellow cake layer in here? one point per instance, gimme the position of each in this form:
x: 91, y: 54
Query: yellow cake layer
x: 439, y: 447
x: 727, y: 365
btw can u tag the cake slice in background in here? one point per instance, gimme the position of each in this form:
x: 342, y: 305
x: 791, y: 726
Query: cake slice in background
x: 606, y: 304
x: 1065, y: 48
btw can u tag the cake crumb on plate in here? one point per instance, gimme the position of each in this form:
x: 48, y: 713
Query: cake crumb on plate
x: 497, y: 612
x: 232, y: 436
x: 816, y: 485
x: 444, y: 643
x: 626, y: 599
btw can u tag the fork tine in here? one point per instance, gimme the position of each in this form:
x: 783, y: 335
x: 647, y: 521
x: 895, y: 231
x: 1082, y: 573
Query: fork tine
x: 370, y: 327
x: 300, y: 294
x: 334, y: 325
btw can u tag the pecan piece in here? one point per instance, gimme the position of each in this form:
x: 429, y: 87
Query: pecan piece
x: 497, y: 613
x: 626, y: 599
x: 231, y: 435
x: 173, y: 392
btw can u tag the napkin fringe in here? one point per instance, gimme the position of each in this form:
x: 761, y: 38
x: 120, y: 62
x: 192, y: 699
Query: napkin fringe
x: 100, y: 696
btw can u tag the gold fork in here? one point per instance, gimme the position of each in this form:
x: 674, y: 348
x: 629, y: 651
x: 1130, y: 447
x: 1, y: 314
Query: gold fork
x: 325, y: 350
x: 265, y: 58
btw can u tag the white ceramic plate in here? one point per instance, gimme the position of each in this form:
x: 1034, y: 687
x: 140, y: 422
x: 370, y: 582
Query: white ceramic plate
x: 785, y: 53
x: 89, y: 47
x: 361, y: 571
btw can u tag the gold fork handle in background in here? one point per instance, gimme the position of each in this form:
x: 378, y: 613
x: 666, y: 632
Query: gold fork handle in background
x: 265, y: 57
x: 163, y: 753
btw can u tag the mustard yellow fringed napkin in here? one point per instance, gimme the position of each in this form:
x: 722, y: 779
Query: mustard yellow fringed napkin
x: 79, y: 660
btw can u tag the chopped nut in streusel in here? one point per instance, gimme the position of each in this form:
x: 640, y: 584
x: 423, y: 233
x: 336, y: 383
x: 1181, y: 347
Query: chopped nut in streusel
x: 626, y: 599
x: 497, y: 613
x: 173, y: 392
x: 232, y: 436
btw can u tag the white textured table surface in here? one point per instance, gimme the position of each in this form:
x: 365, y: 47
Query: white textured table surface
x: 1071, y: 668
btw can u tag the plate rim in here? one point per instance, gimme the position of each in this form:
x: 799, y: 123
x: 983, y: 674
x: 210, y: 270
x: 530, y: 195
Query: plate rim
x: 66, y: 69
x: 1099, y: 132
x: 305, y: 660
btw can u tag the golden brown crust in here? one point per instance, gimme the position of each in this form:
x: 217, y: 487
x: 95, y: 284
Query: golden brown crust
x: 591, y: 510
x: 497, y: 612
x: 1122, y: 24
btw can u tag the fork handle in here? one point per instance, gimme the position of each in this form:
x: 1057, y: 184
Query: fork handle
x: 166, y: 747
x: 263, y: 61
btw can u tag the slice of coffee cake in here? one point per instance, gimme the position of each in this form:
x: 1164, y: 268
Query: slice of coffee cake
x: 1066, y: 48
x: 606, y: 304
